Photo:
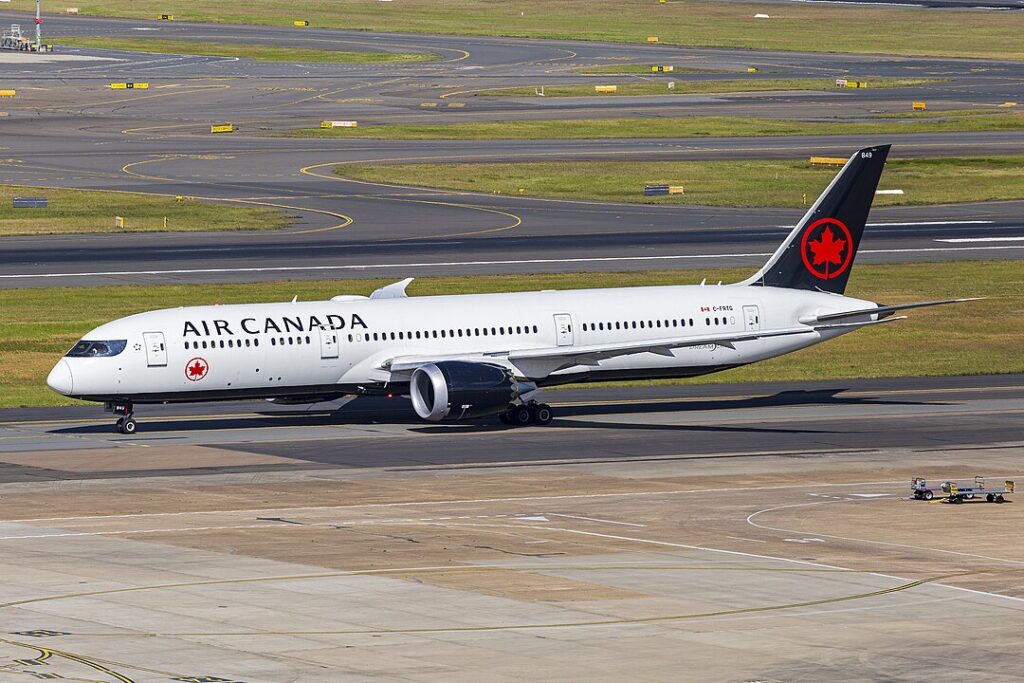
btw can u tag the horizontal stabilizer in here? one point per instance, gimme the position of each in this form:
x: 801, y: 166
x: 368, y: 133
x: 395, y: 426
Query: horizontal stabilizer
x: 884, y: 311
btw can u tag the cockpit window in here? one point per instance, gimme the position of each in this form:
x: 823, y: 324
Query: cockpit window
x: 97, y: 349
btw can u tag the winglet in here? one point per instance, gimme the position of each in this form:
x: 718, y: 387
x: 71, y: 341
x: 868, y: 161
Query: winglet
x: 396, y: 290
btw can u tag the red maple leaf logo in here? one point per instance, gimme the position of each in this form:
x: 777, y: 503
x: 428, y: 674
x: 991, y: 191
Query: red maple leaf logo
x: 827, y: 248
x: 196, y: 369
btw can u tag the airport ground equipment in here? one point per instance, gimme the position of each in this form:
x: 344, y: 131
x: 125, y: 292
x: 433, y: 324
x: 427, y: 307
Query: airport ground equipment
x: 956, y: 492
x: 14, y: 39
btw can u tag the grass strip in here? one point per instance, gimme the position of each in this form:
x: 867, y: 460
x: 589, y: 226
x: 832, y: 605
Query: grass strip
x: 93, y: 211
x: 730, y: 85
x: 712, y: 183
x: 977, y: 338
x: 258, y: 52
x: 809, y: 27
x: 679, y: 127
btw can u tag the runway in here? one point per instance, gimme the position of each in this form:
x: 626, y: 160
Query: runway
x: 67, y: 129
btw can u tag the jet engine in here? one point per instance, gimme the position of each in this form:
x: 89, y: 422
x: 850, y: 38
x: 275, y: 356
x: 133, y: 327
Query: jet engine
x: 458, y: 390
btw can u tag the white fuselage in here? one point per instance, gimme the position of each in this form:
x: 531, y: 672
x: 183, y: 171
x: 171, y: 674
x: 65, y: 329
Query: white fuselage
x: 346, y: 345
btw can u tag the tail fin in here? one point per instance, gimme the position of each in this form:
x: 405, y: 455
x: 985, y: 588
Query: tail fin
x: 819, y: 253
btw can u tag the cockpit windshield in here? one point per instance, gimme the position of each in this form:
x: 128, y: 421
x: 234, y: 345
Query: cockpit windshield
x: 97, y: 349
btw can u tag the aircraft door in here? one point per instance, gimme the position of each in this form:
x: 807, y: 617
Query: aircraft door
x: 156, y: 349
x: 563, y: 329
x: 751, y: 318
x: 328, y: 344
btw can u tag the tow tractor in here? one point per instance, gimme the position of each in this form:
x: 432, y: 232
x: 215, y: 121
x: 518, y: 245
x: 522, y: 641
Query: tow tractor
x: 956, y: 492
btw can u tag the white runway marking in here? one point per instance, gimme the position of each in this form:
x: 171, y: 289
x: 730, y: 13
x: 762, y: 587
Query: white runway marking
x: 914, y: 223
x: 965, y: 240
x: 458, y: 264
x: 460, y: 501
x: 904, y: 546
x: 595, y: 519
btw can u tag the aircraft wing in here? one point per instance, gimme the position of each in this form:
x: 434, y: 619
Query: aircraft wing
x: 543, y: 361
x: 567, y: 356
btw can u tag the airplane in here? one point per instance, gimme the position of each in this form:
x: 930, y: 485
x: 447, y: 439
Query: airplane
x: 477, y: 356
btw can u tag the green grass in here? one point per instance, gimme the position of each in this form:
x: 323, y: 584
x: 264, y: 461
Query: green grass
x: 263, y: 53
x: 682, y: 127
x: 82, y: 211
x: 833, y: 28
x: 712, y: 183
x: 981, y: 337
x: 660, y: 87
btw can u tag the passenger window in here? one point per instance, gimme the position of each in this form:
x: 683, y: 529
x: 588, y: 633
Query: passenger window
x: 707, y: 321
x: 273, y: 341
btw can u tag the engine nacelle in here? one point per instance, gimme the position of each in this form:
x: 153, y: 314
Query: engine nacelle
x: 458, y: 390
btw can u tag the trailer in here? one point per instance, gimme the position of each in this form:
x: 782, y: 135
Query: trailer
x: 956, y: 492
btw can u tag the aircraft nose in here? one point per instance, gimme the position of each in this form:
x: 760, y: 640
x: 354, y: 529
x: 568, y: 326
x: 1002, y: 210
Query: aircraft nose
x: 60, y: 379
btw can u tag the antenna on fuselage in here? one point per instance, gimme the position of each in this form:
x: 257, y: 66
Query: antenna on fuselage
x: 295, y: 298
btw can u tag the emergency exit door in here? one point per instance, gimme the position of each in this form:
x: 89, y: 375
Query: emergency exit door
x: 751, y: 318
x: 563, y: 329
x: 156, y: 349
x: 328, y: 343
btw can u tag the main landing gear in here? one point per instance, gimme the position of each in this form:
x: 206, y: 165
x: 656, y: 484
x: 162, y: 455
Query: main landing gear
x: 126, y: 423
x: 528, y: 413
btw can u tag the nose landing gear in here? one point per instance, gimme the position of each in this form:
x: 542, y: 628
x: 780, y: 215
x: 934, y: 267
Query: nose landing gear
x: 126, y: 423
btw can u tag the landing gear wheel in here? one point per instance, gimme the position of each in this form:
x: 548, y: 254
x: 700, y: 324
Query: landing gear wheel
x: 505, y: 416
x: 126, y: 425
x: 521, y: 416
x: 542, y: 414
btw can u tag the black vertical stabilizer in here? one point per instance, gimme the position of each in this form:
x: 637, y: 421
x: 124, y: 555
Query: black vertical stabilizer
x: 819, y: 253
